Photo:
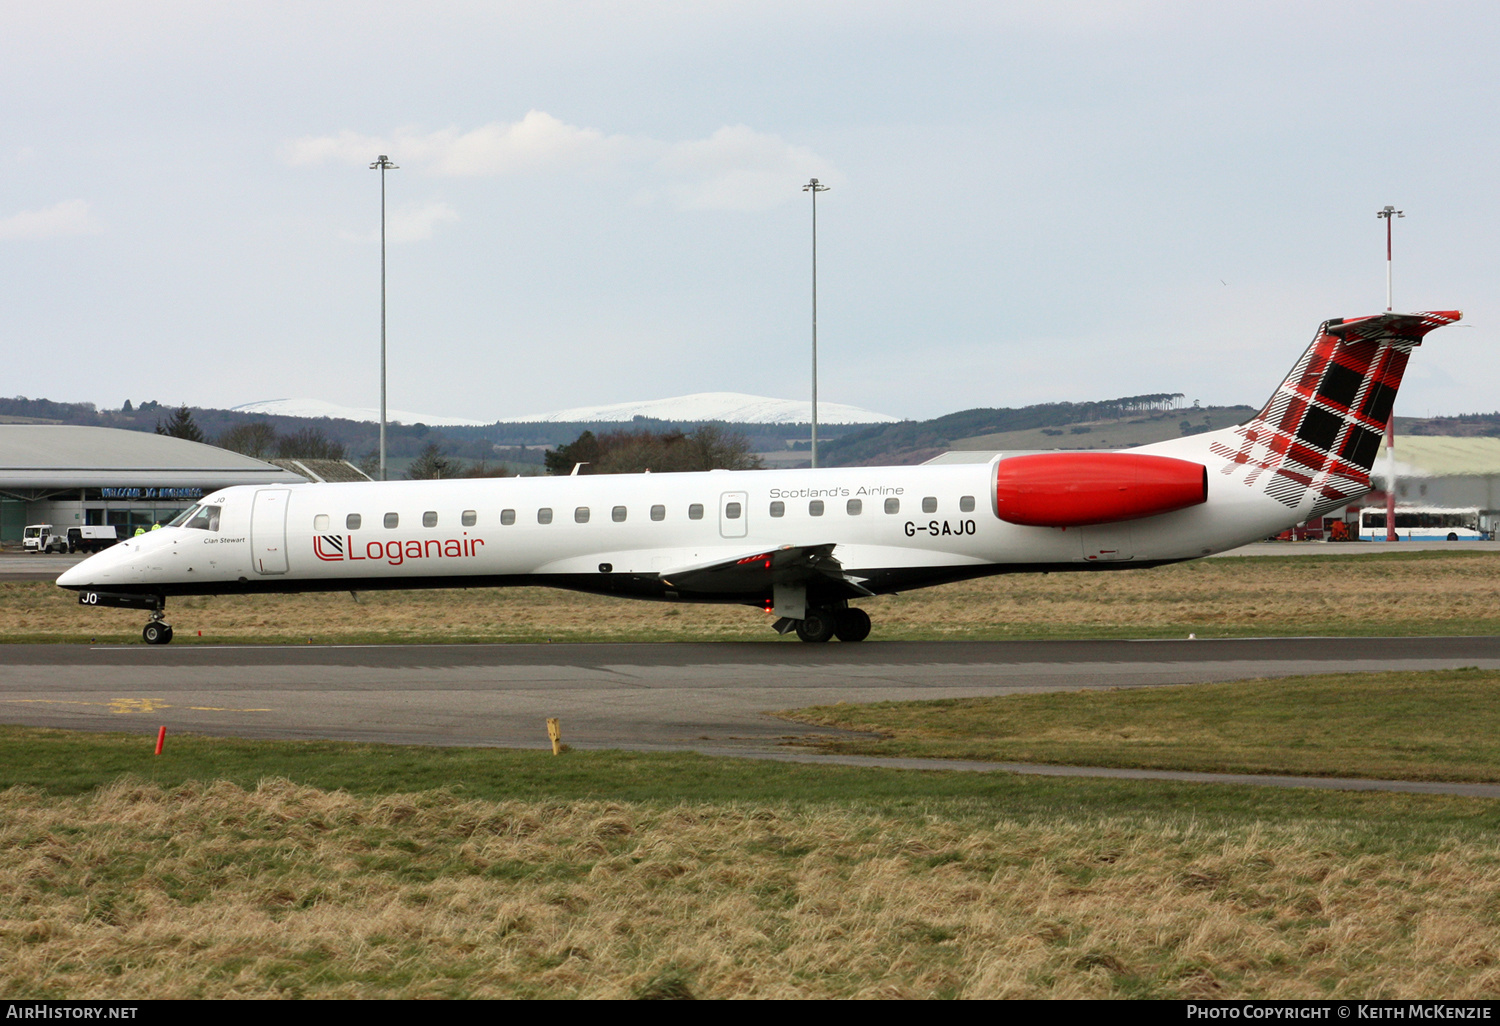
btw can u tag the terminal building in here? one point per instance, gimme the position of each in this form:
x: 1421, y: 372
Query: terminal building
x: 71, y: 476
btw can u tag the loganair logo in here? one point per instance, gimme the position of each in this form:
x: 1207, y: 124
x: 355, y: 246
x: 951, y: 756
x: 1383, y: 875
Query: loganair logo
x: 335, y: 548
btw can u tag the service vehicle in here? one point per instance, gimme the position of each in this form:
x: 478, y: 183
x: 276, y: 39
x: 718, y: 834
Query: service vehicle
x: 37, y: 538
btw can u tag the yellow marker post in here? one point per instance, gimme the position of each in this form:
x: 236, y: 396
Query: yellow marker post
x: 554, y: 731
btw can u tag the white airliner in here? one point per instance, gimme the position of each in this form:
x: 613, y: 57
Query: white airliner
x: 801, y: 544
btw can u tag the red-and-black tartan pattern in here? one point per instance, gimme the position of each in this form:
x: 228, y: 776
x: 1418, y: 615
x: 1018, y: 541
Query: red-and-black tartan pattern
x: 1320, y: 431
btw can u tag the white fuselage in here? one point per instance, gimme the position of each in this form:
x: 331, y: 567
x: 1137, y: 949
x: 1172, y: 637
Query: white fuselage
x: 893, y: 528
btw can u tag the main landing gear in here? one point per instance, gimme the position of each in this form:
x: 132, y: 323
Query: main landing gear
x: 820, y: 625
x: 157, y: 631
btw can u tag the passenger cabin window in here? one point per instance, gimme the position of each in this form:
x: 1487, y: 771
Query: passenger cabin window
x: 581, y: 514
x: 732, y: 510
x: 815, y: 508
x: 206, y: 519
x: 392, y: 521
x: 469, y: 518
x: 507, y: 517
x: 966, y: 504
x: 695, y: 511
x: 351, y: 522
x: 617, y: 514
x: 893, y: 505
x: 778, y: 508
x: 855, y: 507
x: 320, y: 523
x: 658, y: 512
x: 429, y: 519
x: 544, y: 515
x: 929, y: 504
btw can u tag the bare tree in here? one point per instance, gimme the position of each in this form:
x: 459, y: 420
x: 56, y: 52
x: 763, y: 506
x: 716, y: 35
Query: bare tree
x: 309, y: 444
x: 257, y: 439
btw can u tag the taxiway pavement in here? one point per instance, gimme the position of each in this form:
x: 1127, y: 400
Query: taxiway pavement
x: 640, y: 696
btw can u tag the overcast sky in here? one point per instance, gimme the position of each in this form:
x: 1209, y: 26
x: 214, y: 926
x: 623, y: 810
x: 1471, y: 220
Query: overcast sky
x: 601, y: 202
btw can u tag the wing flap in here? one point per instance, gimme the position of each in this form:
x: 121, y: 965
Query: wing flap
x: 757, y: 572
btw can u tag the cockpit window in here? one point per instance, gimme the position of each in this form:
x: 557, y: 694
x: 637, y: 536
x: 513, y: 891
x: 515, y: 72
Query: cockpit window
x: 206, y: 518
x: 186, y: 515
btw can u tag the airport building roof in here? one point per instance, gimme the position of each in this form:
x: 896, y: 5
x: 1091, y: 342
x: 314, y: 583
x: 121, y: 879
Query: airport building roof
x: 979, y: 455
x: 331, y: 471
x: 43, y: 456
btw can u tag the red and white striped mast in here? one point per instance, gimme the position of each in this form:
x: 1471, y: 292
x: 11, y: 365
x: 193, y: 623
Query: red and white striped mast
x: 1390, y: 425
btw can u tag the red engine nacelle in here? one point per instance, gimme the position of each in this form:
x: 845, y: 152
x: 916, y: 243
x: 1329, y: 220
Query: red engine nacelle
x: 1075, y: 489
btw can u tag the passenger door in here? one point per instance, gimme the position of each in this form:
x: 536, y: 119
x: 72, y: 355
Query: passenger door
x: 268, y: 530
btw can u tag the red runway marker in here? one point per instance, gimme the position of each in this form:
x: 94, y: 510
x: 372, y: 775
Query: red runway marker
x: 161, y: 737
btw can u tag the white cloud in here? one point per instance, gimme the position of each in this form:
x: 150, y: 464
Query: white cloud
x: 70, y: 217
x: 735, y: 168
x: 412, y: 222
x: 738, y: 168
x: 538, y: 142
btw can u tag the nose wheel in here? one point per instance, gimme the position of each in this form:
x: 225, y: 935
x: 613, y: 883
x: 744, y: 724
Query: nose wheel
x: 157, y: 631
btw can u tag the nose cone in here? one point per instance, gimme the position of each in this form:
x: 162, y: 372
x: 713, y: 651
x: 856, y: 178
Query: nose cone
x: 97, y: 570
x: 79, y: 576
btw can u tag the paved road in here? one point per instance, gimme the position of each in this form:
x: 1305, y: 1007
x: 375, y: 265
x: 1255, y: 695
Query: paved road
x: 706, y: 697
x: 18, y: 566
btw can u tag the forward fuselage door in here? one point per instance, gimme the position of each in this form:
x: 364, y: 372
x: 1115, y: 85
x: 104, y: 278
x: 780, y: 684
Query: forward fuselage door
x: 268, y: 530
x: 734, y: 518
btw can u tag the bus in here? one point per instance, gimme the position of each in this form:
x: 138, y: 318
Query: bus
x: 1423, y: 522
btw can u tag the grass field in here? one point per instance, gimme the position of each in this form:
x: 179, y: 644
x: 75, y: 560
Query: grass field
x: 1395, y: 593
x: 1442, y: 725
x: 233, y: 868
x: 324, y: 870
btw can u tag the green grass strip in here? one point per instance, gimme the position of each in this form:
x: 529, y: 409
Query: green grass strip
x: 1441, y: 725
x: 69, y: 763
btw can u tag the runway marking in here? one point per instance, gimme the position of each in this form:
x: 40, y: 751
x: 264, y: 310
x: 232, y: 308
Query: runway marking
x: 125, y: 706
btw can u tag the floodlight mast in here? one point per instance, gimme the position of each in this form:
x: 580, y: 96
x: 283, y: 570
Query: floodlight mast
x: 814, y: 187
x: 1390, y: 425
x: 1388, y: 213
x: 384, y: 164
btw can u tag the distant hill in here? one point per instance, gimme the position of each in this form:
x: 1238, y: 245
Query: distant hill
x: 1113, y: 423
x: 1114, y: 433
x: 699, y: 408
x: 719, y: 407
x: 1042, y: 425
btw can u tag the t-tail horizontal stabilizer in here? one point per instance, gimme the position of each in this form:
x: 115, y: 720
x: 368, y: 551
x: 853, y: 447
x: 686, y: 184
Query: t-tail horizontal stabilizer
x: 1312, y: 447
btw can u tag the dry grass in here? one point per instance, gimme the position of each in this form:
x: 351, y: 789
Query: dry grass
x: 211, y: 891
x: 1416, y: 593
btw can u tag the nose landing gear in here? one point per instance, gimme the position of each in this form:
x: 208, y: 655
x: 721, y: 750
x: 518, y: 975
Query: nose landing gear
x: 157, y: 631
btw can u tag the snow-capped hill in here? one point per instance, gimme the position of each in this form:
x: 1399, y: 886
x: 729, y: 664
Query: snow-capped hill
x: 319, y: 408
x: 732, y: 407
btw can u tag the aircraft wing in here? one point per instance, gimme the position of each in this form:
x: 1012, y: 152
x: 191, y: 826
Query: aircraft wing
x: 756, y: 571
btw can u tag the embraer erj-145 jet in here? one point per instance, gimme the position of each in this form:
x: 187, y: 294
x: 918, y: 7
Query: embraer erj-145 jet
x: 802, y: 544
